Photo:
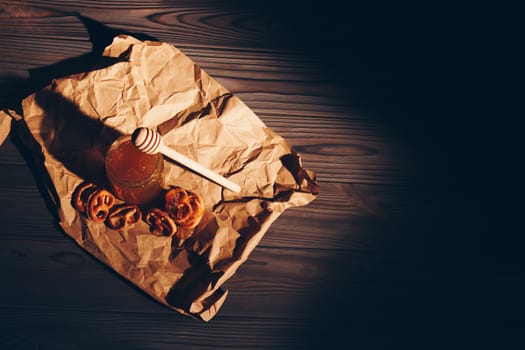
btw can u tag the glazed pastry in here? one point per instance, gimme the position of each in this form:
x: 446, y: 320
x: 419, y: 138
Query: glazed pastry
x: 185, y: 207
x: 98, y: 205
x: 123, y: 216
x: 160, y: 223
x: 81, y: 195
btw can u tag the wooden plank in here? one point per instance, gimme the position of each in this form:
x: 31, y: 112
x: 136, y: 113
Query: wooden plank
x: 370, y: 262
x: 42, y: 327
x: 29, y: 328
x: 272, y: 283
x: 226, y: 57
x: 226, y: 23
x: 21, y: 42
x: 9, y: 154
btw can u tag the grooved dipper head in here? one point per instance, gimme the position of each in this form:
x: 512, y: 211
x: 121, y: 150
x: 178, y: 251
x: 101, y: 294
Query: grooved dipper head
x: 146, y: 140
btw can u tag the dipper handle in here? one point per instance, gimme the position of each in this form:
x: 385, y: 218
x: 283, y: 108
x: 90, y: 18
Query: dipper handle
x: 150, y: 141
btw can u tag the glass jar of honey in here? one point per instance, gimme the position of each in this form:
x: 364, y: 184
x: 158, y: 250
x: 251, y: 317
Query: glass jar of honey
x: 134, y: 176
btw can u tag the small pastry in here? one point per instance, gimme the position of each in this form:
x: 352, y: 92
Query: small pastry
x: 160, y: 223
x: 185, y: 207
x: 98, y: 205
x: 81, y: 195
x: 123, y: 216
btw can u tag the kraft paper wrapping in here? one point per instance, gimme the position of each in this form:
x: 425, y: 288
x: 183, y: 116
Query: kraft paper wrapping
x: 5, y: 125
x: 153, y: 84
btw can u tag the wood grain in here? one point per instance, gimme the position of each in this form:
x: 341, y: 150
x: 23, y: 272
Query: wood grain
x: 138, y: 331
x: 371, y: 262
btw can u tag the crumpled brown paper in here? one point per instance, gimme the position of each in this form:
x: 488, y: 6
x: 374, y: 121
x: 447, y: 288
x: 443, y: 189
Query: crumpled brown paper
x: 76, y: 118
x: 5, y: 125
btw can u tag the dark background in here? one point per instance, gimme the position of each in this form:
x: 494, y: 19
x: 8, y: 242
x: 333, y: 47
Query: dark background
x: 439, y: 74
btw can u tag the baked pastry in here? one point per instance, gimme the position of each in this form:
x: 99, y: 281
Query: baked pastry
x: 98, y: 205
x: 123, y: 216
x: 160, y: 223
x: 81, y: 195
x: 185, y: 207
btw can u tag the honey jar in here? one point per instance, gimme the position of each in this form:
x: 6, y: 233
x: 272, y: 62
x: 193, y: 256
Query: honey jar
x: 134, y: 176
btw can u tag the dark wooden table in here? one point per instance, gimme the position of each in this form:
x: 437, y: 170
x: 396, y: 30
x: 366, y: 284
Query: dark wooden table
x: 386, y: 257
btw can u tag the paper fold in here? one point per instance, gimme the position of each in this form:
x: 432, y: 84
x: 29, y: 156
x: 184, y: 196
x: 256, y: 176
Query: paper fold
x: 76, y: 118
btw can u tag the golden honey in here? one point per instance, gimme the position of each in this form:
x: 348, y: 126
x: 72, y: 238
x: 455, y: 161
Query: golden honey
x: 134, y: 176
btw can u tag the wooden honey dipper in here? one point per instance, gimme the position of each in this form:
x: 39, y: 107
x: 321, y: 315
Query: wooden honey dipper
x: 150, y: 141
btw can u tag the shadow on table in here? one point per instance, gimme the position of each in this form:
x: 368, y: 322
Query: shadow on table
x: 100, y: 36
x: 84, y: 132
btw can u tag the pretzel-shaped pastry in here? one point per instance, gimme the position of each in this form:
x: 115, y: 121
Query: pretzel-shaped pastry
x: 160, y: 223
x: 122, y: 216
x: 98, y: 205
x: 81, y: 195
x: 185, y: 207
